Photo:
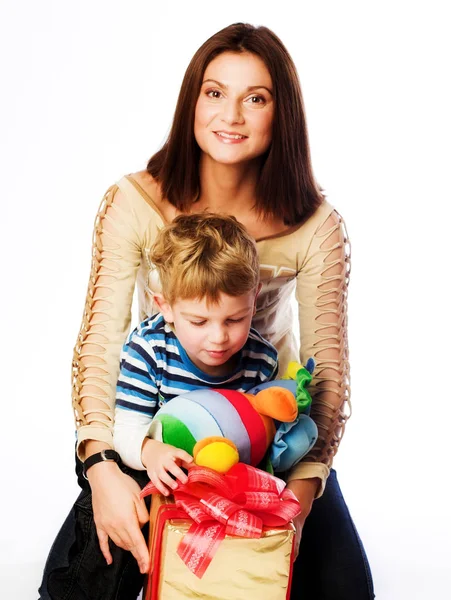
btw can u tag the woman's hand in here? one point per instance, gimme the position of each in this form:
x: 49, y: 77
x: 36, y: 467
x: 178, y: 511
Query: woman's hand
x: 163, y: 463
x: 305, y: 491
x: 119, y: 513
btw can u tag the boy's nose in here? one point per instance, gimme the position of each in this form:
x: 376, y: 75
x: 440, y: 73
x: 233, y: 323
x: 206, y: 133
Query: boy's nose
x: 218, y: 335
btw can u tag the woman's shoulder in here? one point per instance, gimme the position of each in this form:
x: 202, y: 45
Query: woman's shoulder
x: 130, y: 210
x: 293, y: 247
x: 141, y: 186
x: 146, y: 184
x: 132, y: 191
x: 321, y: 222
x: 323, y: 215
x: 323, y: 230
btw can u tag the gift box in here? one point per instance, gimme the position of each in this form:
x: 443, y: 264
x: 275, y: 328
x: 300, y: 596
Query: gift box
x: 239, y: 568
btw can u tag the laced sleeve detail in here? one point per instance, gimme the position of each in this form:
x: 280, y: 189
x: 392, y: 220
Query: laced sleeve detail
x: 106, y: 319
x: 321, y: 293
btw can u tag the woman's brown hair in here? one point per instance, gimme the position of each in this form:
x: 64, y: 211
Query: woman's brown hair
x: 286, y: 187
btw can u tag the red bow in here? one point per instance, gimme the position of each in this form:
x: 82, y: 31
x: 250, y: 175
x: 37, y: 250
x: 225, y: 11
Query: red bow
x: 239, y: 503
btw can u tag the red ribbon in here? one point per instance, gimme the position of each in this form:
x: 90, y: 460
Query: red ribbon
x: 239, y: 503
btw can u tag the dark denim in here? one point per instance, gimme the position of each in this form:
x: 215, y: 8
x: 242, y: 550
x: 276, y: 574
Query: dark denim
x: 332, y: 564
x: 76, y: 569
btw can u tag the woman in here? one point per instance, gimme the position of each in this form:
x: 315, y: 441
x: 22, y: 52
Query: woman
x: 238, y: 145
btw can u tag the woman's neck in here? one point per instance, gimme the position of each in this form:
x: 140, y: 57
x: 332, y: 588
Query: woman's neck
x: 226, y: 188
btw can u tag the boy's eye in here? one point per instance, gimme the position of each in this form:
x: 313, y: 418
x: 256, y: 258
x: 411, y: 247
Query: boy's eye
x: 235, y: 320
x: 197, y: 323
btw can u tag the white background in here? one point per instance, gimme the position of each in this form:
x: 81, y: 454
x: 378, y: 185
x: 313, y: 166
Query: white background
x: 88, y: 91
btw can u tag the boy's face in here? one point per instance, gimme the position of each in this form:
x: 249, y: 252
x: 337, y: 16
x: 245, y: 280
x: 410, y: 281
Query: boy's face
x: 212, y: 334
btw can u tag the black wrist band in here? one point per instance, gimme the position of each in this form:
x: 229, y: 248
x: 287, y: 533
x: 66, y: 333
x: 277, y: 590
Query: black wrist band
x: 104, y: 455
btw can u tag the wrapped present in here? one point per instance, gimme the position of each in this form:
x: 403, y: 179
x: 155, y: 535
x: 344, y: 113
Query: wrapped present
x: 223, y: 537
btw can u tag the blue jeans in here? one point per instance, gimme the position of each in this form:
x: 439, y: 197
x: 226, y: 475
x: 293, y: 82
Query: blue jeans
x: 332, y: 564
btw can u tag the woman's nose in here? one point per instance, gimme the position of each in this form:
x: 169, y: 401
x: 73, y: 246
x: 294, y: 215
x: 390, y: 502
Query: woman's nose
x: 232, y: 113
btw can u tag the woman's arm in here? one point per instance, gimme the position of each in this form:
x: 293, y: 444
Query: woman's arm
x: 116, y: 254
x: 321, y: 292
x: 119, y: 513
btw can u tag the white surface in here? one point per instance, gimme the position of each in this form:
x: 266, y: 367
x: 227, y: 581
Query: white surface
x: 89, y: 90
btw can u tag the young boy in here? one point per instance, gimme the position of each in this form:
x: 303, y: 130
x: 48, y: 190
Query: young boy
x: 202, y: 336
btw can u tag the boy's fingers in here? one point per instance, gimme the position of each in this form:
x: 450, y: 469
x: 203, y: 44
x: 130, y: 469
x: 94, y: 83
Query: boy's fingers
x: 178, y: 473
x: 165, y: 477
x: 159, y: 485
x: 183, y: 456
x: 104, y: 546
x: 162, y: 489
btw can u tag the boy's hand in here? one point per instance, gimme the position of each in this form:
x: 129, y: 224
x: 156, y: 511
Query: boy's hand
x: 163, y: 463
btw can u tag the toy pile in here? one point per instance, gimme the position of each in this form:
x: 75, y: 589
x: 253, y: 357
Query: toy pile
x: 231, y: 517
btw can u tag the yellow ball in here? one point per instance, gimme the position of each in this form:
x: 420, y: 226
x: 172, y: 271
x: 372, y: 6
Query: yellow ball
x: 220, y: 456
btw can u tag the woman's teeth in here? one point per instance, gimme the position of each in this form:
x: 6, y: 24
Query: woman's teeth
x: 229, y: 136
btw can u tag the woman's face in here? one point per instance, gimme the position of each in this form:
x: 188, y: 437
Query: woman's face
x: 235, y: 109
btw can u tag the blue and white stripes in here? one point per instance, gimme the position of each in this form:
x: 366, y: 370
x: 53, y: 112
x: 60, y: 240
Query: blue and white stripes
x: 155, y: 368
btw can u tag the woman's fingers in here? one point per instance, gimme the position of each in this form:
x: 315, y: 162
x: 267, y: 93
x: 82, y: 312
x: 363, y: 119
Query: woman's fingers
x: 141, y: 550
x: 299, y: 524
x: 119, y: 514
x: 104, y: 546
x: 141, y: 511
x: 127, y: 536
x: 138, y: 547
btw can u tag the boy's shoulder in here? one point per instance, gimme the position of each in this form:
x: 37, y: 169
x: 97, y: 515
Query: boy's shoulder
x: 151, y: 325
x: 154, y: 330
x: 259, y: 345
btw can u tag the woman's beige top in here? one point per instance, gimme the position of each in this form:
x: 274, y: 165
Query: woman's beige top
x: 311, y: 260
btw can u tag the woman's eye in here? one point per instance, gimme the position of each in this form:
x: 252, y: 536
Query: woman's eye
x: 214, y: 94
x: 256, y: 99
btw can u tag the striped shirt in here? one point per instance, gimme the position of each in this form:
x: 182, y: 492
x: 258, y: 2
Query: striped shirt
x: 155, y: 368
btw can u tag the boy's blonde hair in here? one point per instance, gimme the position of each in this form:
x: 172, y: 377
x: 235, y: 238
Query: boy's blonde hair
x: 201, y: 255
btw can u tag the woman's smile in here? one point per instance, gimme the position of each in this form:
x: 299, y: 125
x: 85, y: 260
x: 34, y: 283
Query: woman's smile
x: 236, y: 105
x: 230, y: 138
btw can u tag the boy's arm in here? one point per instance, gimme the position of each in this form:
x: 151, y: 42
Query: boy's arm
x: 129, y: 434
x: 136, y: 399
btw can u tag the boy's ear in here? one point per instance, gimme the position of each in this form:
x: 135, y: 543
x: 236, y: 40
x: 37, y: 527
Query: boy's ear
x: 165, y: 307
